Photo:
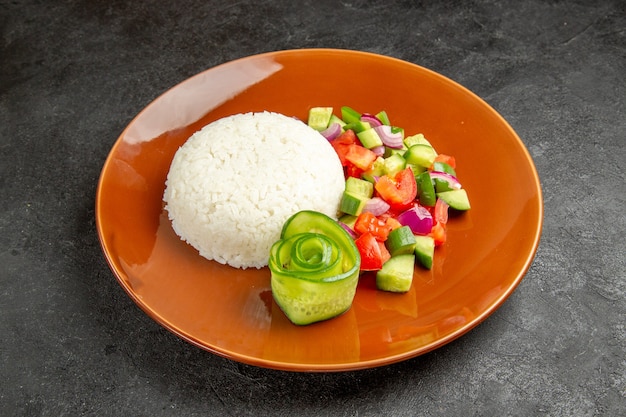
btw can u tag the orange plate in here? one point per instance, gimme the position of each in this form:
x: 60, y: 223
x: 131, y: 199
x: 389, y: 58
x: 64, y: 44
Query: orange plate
x: 231, y: 312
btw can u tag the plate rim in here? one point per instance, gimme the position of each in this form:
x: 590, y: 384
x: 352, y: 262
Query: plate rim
x: 327, y: 367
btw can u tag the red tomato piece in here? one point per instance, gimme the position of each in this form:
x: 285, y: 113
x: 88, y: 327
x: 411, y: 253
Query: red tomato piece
x: 369, y: 249
x: 384, y: 252
x: 447, y: 159
x: 398, y: 191
x: 438, y: 232
x: 393, y: 223
x: 440, y: 212
x: 352, y: 171
x: 342, y: 143
x: 360, y: 157
x: 366, y: 222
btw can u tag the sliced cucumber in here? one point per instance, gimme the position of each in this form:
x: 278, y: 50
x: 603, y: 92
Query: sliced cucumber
x: 396, y: 274
x: 369, y: 138
x: 393, y: 151
x: 425, y: 189
x: 358, y: 186
x: 349, y: 220
x: 456, y: 199
x: 394, y: 164
x: 335, y: 119
x: 418, y: 139
x: 376, y: 170
x: 400, y: 241
x: 422, y: 155
x: 425, y: 250
x: 319, y: 117
x: 352, y: 203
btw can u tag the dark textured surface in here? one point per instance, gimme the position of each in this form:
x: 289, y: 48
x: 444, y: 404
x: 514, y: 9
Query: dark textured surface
x: 74, y: 73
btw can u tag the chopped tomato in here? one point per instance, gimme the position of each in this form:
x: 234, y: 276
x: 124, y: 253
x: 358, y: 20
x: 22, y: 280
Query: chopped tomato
x: 438, y: 233
x: 384, y: 252
x: 393, y: 223
x: 360, y: 157
x: 398, y: 191
x: 447, y: 159
x: 352, y: 171
x: 342, y: 143
x: 440, y: 212
x: 370, y: 251
x: 366, y: 222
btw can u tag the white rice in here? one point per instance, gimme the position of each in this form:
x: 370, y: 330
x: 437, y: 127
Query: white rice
x: 234, y: 183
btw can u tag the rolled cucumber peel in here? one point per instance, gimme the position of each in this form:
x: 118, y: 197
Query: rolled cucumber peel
x: 314, y: 268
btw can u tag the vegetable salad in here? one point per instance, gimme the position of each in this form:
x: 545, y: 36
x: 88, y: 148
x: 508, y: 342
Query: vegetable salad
x: 399, y: 190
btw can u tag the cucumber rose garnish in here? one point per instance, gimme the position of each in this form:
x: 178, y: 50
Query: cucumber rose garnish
x: 314, y: 268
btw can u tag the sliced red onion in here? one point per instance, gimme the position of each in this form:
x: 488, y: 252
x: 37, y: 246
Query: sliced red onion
x: 378, y: 150
x: 348, y: 229
x: 332, y: 131
x: 371, y: 119
x: 444, y: 176
x: 390, y: 139
x: 418, y: 219
x: 376, y: 206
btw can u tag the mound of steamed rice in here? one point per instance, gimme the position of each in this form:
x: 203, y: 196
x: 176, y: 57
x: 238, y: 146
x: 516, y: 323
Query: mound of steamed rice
x: 233, y: 184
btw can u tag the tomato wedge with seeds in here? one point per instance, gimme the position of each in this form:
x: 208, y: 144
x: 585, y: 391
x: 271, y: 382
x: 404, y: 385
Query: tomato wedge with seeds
x: 360, y: 157
x: 342, y: 143
x: 398, y: 191
x: 373, y: 253
x: 366, y: 222
x: 446, y: 159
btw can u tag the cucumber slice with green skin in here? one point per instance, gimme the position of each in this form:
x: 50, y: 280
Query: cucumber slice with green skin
x: 319, y: 117
x: 425, y: 189
x: 352, y: 203
x: 369, y: 138
x: 400, y: 241
x: 396, y: 274
x: 442, y: 185
x: 314, y: 268
x: 456, y: 199
x: 425, y: 250
x: 335, y: 119
x: 418, y: 139
x: 393, y: 151
x: 417, y: 169
x: 376, y: 170
x: 394, y: 164
x: 358, y: 186
x: 349, y: 220
x: 422, y: 155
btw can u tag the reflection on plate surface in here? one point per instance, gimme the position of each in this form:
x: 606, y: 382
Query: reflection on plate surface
x: 229, y: 311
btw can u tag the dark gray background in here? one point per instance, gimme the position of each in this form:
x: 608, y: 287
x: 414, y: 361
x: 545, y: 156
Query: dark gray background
x: 74, y: 73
